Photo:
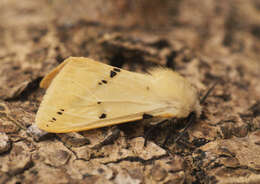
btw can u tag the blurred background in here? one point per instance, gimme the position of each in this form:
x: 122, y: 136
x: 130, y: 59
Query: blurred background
x: 204, y: 25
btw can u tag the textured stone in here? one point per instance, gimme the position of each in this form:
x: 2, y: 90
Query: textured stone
x: 5, y: 143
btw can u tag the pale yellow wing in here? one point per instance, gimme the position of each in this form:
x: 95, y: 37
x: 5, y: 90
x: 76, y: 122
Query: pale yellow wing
x: 84, y: 94
x: 46, y: 81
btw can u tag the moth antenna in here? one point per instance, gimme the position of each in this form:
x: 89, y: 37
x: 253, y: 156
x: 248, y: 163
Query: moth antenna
x: 202, y: 100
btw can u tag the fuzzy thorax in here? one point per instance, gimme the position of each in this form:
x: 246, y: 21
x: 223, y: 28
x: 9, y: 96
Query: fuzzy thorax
x: 175, y: 90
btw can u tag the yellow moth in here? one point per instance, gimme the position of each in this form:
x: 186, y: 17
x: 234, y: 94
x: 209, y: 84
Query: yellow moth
x: 84, y: 94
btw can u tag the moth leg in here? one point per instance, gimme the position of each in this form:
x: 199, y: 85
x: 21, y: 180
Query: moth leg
x: 169, y: 133
x: 190, y: 120
x: 109, y: 139
x: 148, y: 133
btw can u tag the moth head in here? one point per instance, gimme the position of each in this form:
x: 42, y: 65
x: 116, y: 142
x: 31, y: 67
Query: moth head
x: 174, y: 89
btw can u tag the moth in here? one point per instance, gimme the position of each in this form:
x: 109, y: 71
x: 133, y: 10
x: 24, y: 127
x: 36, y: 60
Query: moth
x: 84, y: 94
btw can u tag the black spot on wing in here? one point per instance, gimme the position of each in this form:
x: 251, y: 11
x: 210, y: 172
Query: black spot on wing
x: 62, y: 110
x: 102, y: 116
x: 116, y: 69
x: 147, y: 116
x: 60, y: 113
x: 112, y: 74
x: 98, y: 102
x: 54, y: 119
x: 104, y: 81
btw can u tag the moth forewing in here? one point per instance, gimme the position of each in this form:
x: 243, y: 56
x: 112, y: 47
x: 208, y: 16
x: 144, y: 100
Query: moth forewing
x: 84, y: 94
x: 49, y: 77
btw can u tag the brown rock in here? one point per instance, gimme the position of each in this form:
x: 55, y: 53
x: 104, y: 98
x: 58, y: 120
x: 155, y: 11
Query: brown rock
x: 5, y: 143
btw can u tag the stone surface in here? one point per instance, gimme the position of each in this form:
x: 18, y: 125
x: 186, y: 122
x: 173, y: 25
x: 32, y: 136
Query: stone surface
x: 5, y: 143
